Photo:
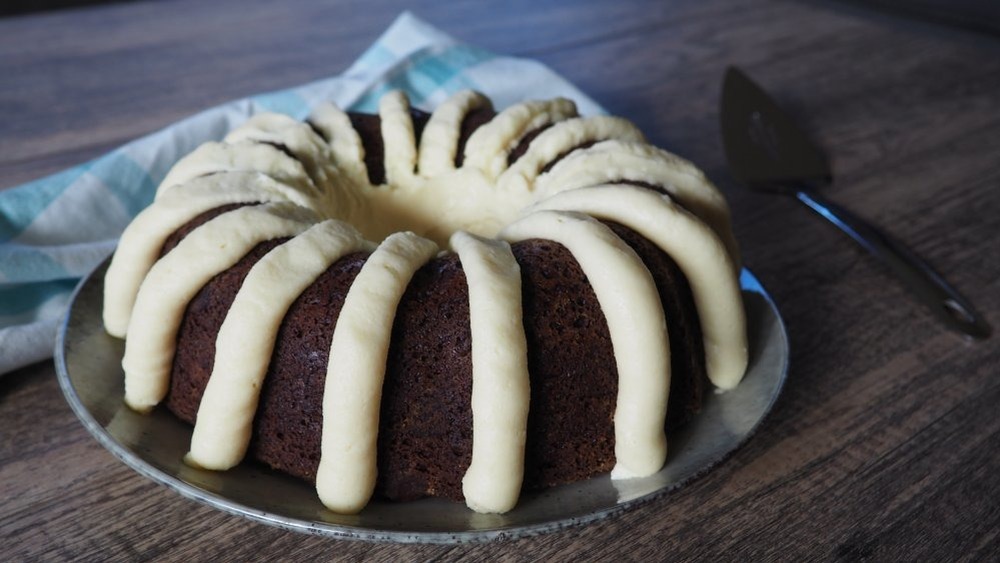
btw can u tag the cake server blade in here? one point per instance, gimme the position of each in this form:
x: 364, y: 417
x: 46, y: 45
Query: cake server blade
x: 767, y: 150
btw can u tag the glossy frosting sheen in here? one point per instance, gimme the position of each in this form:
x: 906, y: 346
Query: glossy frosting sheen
x: 310, y: 183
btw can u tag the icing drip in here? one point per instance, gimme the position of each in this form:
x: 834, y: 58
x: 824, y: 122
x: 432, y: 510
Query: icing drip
x: 297, y: 137
x: 345, y: 479
x: 631, y: 304
x: 246, y: 339
x: 178, y: 276
x: 556, y: 141
x: 489, y: 145
x: 140, y: 243
x: 500, y: 388
x: 439, y: 142
x: 345, y: 144
x: 399, y: 140
x: 612, y: 161
x: 212, y: 158
x: 698, y: 252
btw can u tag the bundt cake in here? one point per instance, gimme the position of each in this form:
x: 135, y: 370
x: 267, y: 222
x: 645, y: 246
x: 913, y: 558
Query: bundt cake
x: 511, y: 302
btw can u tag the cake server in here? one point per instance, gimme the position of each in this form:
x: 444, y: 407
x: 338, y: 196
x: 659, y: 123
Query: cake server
x: 767, y: 151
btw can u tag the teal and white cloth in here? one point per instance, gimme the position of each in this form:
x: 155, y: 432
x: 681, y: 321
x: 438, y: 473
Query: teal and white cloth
x: 55, y: 230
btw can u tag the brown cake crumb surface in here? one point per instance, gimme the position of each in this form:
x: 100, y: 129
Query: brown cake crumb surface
x: 289, y: 421
x: 195, y: 354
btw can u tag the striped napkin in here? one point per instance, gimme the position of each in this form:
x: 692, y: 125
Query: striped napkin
x: 55, y: 230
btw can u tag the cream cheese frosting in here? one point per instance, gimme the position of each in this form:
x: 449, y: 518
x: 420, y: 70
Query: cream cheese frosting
x: 140, y: 243
x: 246, y: 339
x: 177, y: 277
x: 500, y: 386
x: 631, y: 304
x: 439, y: 143
x: 346, y: 150
x: 696, y: 249
x: 263, y: 158
x: 345, y: 479
x: 309, y: 181
x: 294, y: 136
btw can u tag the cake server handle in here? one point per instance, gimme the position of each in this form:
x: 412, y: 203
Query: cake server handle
x: 927, y: 285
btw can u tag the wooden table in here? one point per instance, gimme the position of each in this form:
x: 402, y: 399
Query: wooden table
x: 885, y: 442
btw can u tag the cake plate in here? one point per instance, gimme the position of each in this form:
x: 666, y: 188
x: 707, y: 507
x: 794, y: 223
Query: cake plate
x: 88, y: 362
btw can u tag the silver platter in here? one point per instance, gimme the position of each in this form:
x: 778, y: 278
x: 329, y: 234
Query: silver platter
x: 88, y: 362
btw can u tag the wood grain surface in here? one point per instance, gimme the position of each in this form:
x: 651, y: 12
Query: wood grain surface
x: 886, y: 442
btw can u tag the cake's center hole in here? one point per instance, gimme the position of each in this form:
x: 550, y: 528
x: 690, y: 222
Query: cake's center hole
x: 435, y: 208
x: 465, y: 200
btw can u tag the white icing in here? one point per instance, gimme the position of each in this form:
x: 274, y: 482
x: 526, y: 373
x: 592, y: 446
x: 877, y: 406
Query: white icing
x: 210, y: 158
x: 555, y: 141
x: 398, y: 139
x: 488, y: 147
x: 439, y: 142
x: 500, y: 388
x: 178, y: 276
x: 614, y: 160
x: 700, y: 255
x: 631, y: 305
x: 346, y: 147
x: 141, y: 242
x: 345, y: 479
x: 246, y: 340
x: 295, y: 136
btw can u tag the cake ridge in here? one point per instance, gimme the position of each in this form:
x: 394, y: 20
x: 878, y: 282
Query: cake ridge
x: 345, y: 480
x: 500, y: 380
x: 557, y: 141
x: 698, y: 251
x: 244, y: 346
x: 617, y: 161
x: 631, y: 303
x: 171, y: 280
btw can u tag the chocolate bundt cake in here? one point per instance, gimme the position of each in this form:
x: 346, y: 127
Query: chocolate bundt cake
x: 518, y: 300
